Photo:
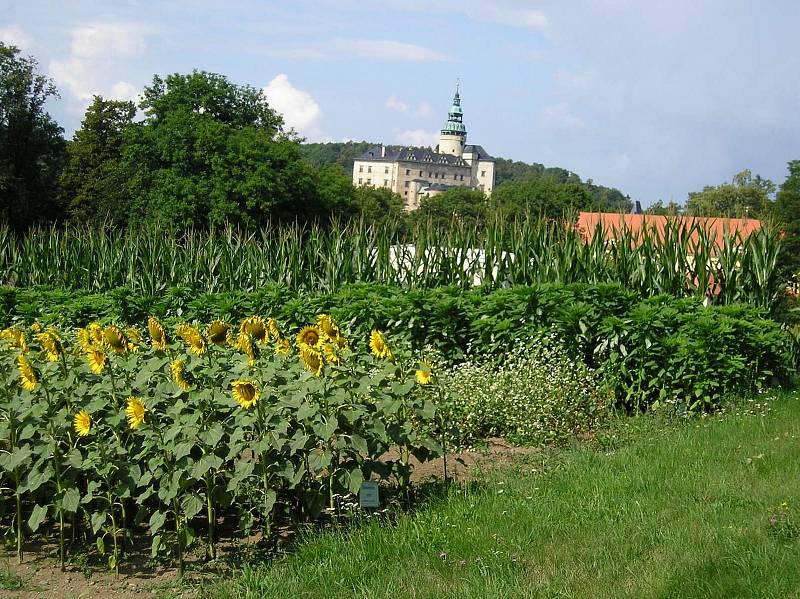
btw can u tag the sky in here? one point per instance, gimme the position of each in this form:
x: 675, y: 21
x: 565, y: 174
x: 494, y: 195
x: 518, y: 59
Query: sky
x: 655, y: 97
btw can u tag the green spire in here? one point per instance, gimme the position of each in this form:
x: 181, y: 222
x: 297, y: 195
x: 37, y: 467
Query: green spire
x: 455, y: 124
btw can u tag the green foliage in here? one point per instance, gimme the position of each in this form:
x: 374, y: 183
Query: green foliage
x: 31, y: 143
x: 91, y: 180
x: 787, y: 211
x: 683, y: 261
x: 124, y: 432
x: 541, y: 197
x: 671, y: 351
x: 745, y: 197
x: 467, y: 207
x: 537, y: 395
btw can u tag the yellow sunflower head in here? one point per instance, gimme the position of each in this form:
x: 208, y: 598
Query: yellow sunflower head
x: 15, y: 339
x: 95, y: 332
x: 134, y: 336
x: 51, y: 344
x: 135, y: 412
x: 246, y: 393
x: 327, y: 325
x: 157, y: 335
x: 312, y: 359
x: 96, y: 359
x: 424, y: 373
x: 115, y: 339
x: 255, y: 327
x: 219, y: 332
x: 178, y: 369
x: 378, y: 345
x: 272, y: 329
x: 82, y: 423
x: 309, y: 337
x: 27, y: 375
x: 331, y: 353
x: 283, y: 346
x: 192, y: 337
x: 246, y: 345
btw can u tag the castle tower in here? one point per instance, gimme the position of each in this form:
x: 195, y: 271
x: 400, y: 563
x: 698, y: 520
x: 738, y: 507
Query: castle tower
x: 453, y: 137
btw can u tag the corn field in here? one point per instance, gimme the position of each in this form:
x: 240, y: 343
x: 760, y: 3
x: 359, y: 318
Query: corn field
x: 683, y: 260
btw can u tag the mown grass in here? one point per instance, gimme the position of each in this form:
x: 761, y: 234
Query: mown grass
x: 681, y: 510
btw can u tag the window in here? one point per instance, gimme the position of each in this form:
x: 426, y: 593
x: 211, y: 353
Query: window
x: 360, y: 168
x: 386, y: 182
x: 455, y: 177
x: 385, y: 170
x: 369, y: 181
x: 420, y: 173
x: 435, y: 175
x: 483, y: 173
x: 405, y: 193
x: 462, y: 177
x: 430, y: 173
x: 406, y: 183
x: 360, y: 180
x: 408, y: 171
x: 369, y: 169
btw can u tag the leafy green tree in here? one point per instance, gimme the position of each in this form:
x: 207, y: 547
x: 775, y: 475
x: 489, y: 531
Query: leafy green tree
x: 787, y: 211
x: 659, y: 209
x: 536, y: 196
x: 92, y: 183
x: 210, y: 152
x: 461, y: 204
x: 31, y: 143
x: 744, y: 197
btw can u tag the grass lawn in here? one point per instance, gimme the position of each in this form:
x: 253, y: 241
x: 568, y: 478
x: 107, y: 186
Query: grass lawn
x: 666, y: 510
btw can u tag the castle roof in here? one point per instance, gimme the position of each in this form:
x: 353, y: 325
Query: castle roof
x: 407, y: 154
x: 480, y: 153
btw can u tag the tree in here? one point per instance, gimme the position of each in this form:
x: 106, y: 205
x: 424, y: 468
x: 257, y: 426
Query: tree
x: 787, y: 211
x: 92, y: 182
x: 461, y: 204
x: 671, y: 209
x: 211, y: 152
x: 536, y: 196
x: 31, y: 143
x: 744, y: 197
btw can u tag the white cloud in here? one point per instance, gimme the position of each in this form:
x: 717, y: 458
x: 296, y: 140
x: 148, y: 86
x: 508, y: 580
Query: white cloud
x: 14, y: 35
x: 424, y: 110
x: 418, y: 137
x: 299, y: 109
x: 343, y: 48
x: 530, y: 18
x: 560, y: 118
x: 579, y: 81
x: 97, y: 51
x: 396, y: 104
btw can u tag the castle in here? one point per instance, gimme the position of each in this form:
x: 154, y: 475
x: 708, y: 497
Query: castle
x: 414, y: 173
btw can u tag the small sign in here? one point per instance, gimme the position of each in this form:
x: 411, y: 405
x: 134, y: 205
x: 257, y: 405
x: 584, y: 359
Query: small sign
x: 368, y: 495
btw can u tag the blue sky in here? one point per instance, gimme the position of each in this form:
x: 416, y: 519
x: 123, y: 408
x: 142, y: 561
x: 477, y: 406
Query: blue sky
x: 657, y: 98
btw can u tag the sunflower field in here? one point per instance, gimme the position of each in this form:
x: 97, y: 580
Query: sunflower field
x: 107, y: 432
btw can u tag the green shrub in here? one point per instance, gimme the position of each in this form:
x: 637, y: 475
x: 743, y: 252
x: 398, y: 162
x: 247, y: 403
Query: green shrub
x: 538, y: 395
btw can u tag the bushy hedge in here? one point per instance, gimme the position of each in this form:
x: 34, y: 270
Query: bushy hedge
x: 659, y: 349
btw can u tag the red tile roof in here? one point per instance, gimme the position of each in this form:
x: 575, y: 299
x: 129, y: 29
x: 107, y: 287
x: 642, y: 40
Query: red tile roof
x: 613, y: 223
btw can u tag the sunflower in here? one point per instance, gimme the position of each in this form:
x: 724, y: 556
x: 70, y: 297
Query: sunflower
x: 244, y: 343
x: 255, y: 327
x: 424, y: 373
x: 331, y: 353
x: 15, y: 338
x: 192, y: 338
x: 82, y: 423
x: 326, y: 324
x: 51, y: 343
x: 116, y: 339
x: 135, y: 412
x: 378, y: 345
x: 97, y: 360
x: 157, y: 334
x: 134, y: 335
x: 283, y: 346
x: 179, y: 374
x: 245, y: 393
x: 273, y: 329
x: 309, y: 337
x: 27, y: 374
x: 312, y: 360
x: 218, y: 332
x: 96, y: 334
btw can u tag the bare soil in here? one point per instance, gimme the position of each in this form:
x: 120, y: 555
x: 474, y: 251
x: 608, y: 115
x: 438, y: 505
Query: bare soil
x: 85, y: 576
